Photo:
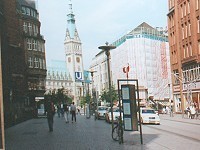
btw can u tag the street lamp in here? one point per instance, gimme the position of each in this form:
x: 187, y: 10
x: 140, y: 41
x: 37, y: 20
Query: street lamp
x: 83, y: 97
x: 171, y: 109
x: 107, y: 49
x: 188, y: 90
x: 92, y: 75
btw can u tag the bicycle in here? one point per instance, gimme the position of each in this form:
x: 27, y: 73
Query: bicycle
x: 117, y: 132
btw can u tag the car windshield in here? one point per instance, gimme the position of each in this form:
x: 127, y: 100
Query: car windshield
x: 148, y: 111
x: 102, y: 108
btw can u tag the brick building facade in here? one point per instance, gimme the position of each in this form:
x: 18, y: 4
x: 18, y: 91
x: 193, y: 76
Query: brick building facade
x: 184, y: 40
x: 21, y: 83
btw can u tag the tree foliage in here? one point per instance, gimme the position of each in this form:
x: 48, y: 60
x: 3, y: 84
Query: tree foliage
x: 58, y: 96
x: 105, y: 95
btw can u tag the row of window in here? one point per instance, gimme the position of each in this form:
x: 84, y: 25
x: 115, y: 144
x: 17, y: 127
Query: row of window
x: 36, y: 63
x: 187, y: 50
x: 36, y: 45
x: 29, y: 11
x: 185, y: 8
x: 192, y: 73
x: 171, y: 4
x: 57, y: 77
x: 186, y: 28
x: 52, y: 83
x: 73, y: 47
x: 30, y: 28
x: 38, y: 85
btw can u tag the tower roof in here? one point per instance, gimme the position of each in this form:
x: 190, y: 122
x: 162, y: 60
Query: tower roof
x: 71, y: 27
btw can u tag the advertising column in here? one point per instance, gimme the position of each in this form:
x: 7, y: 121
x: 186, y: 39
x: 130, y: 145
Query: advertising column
x: 129, y: 108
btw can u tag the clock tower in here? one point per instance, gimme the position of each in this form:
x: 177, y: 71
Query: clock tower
x: 73, y: 55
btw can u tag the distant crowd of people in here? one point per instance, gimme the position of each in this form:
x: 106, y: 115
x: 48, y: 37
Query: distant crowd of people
x: 192, y: 111
x: 63, y: 110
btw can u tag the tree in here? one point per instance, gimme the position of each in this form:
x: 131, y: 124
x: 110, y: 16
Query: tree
x: 58, y: 96
x: 106, y: 96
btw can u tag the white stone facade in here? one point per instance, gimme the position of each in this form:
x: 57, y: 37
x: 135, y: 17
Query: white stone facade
x: 145, y: 50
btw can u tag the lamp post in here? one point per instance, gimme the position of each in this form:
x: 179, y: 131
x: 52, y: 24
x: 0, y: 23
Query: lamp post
x: 171, y: 109
x: 107, y: 49
x: 92, y: 75
x: 83, y: 98
x: 189, y: 91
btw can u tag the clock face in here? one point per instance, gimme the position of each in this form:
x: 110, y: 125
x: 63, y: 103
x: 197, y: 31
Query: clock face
x: 69, y: 59
x: 77, y: 59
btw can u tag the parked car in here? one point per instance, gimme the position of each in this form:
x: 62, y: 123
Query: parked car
x: 148, y: 115
x: 116, y: 114
x: 100, y: 112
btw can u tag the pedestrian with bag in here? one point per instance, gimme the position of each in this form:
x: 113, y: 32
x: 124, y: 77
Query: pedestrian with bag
x: 50, y: 110
x: 73, y: 111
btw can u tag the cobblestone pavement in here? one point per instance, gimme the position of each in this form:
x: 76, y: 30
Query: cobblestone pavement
x: 85, y: 134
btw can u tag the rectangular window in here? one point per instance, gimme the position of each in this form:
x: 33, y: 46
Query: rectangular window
x: 23, y: 10
x: 181, y: 11
x: 25, y: 27
x: 30, y: 62
x: 28, y: 11
x: 42, y: 47
x: 198, y: 25
x: 34, y: 30
x: 189, y: 29
x: 185, y: 10
x: 32, y: 12
x: 34, y: 45
x: 44, y: 65
x: 190, y: 49
x: 39, y: 45
x: 29, y: 44
x: 188, y: 6
x: 30, y: 28
x: 184, y: 52
x: 174, y: 38
x: 40, y: 63
x: 183, y: 32
x: 187, y: 51
x: 36, y: 63
x: 197, y: 4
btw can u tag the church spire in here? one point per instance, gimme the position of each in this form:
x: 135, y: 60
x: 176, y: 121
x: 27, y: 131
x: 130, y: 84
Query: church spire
x: 71, y: 21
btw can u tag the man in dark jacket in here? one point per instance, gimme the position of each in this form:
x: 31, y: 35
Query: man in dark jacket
x: 50, y: 110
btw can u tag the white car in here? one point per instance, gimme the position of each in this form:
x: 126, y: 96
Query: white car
x: 116, y: 114
x: 149, y: 115
x: 100, y: 112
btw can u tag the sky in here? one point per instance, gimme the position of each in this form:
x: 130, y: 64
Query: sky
x: 97, y: 22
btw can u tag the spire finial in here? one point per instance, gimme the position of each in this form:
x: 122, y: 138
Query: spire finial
x: 70, y: 6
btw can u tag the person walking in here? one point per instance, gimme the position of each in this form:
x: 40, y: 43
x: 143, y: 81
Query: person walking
x: 192, y: 111
x: 73, y: 111
x: 50, y: 110
x: 66, y: 114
